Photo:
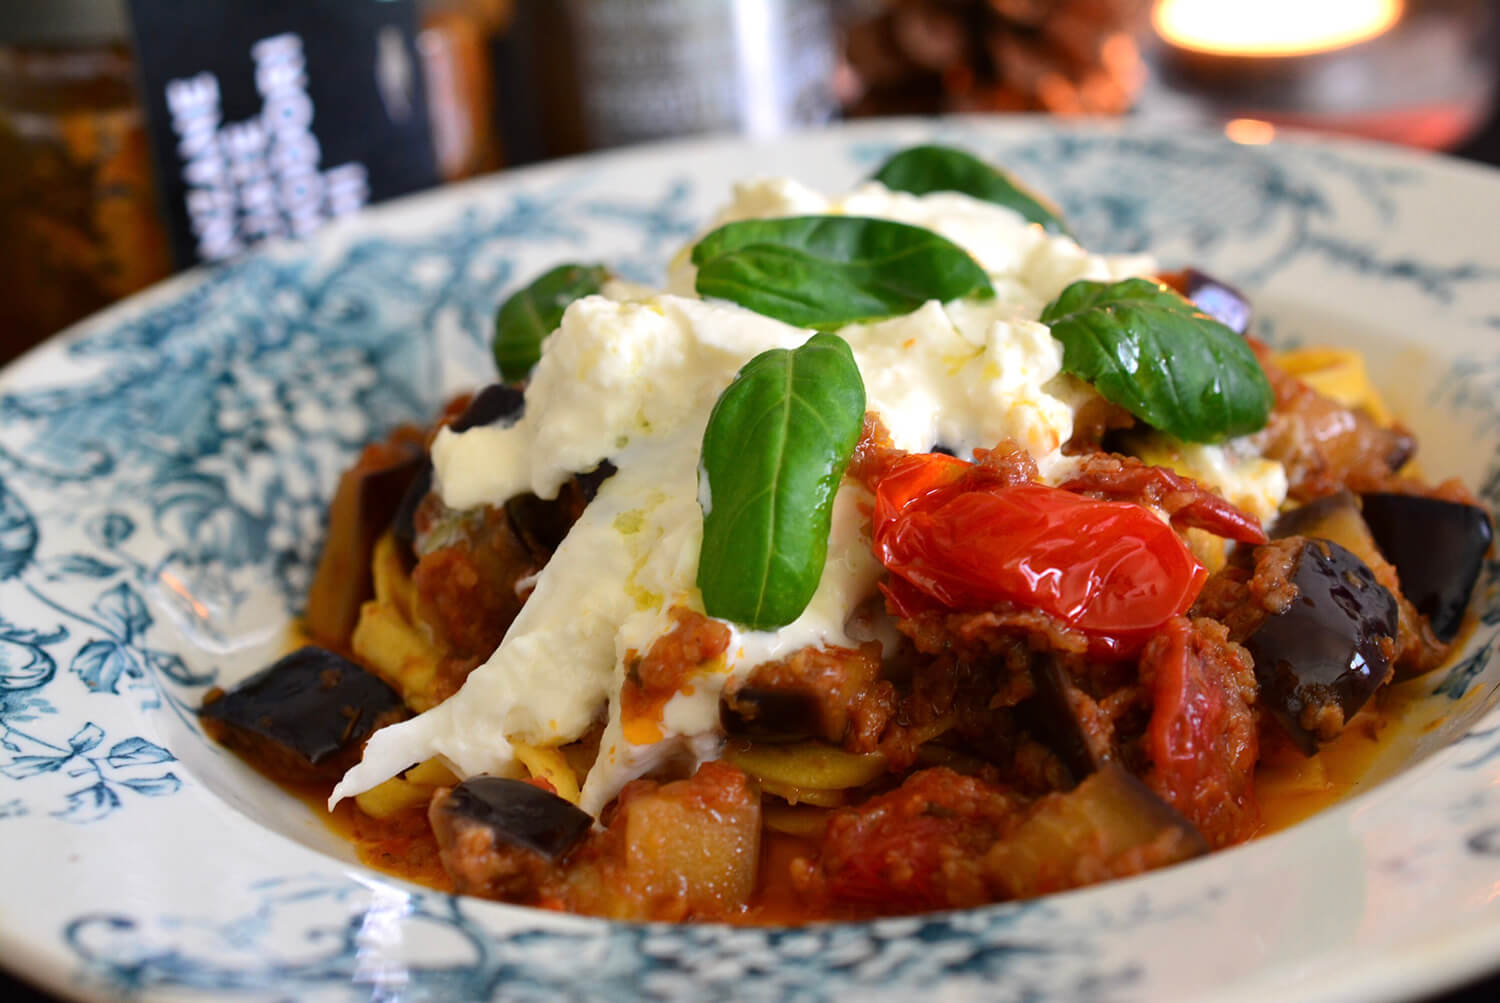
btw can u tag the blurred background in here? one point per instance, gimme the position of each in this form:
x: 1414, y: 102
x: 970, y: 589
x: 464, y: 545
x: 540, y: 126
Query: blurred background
x: 139, y: 137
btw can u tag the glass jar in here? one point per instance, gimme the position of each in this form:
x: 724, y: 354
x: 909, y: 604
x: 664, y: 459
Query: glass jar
x: 79, y: 226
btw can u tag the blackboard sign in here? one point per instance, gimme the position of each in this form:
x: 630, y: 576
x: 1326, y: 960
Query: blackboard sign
x: 270, y: 117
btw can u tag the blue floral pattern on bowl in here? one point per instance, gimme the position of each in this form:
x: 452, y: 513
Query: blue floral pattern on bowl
x: 163, y: 473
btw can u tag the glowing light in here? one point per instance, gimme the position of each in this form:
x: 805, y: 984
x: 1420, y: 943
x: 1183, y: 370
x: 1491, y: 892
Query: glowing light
x: 1272, y: 27
x: 1250, y: 131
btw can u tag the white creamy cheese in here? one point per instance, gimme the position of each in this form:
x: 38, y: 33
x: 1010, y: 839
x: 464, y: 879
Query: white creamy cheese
x: 1248, y: 481
x: 631, y: 376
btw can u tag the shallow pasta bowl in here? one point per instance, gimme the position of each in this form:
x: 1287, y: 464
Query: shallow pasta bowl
x: 163, y: 473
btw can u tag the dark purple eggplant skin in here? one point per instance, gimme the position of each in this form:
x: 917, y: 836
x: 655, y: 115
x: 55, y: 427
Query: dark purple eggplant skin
x: 310, y: 711
x: 542, y: 523
x: 1324, y: 649
x: 1438, y: 549
x: 771, y: 715
x: 1108, y: 814
x: 519, y: 814
x: 1051, y: 716
x: 1220, y: 300
x: 363, y: 507
x: 495, y: 403
x: 1317, y: 517
x: 403, y: 523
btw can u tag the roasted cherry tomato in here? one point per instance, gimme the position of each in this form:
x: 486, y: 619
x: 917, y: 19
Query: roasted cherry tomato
x: 1111, y: 569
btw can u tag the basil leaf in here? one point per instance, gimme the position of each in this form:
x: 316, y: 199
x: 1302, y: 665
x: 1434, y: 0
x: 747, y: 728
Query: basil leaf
x: 1153, y: 353
x: 827, y: 271
x: 775, y: 449
x: 529, y: 315
x: 924, y: 169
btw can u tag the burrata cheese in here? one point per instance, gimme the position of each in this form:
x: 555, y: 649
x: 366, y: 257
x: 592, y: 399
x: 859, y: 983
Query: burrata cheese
x: 632, y: 376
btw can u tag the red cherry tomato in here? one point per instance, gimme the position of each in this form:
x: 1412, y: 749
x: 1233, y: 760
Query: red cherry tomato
x: 1110, y: 569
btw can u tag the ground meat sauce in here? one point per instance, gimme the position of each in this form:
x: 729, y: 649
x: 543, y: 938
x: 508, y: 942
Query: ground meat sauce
x: 836, y: 694
x: 989, y: 753
x: 1325, y: 446
x: 467, y: 592
x: 1181, y: 499
x: 651, y: 680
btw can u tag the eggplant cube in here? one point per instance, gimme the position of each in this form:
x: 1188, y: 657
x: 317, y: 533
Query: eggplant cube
x: 1438, y: 548
x: 404, y: 522
x: 305, y: 718
x: 1110, y: 825
x: 500, y: 838
x: 363, y: 506
x: 1322, y: 657
x: 520, y: 814
x: 1335, y: 517
x: 695, y: 842
x: 771, y: 715
x: 1059, y: 715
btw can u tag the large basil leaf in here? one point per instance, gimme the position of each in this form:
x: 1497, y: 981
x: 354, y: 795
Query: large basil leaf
x: 924, y: 169
x: 774, y: 452
x: 827, y: 271
x: 528, y: 316
x: 1153, y: 353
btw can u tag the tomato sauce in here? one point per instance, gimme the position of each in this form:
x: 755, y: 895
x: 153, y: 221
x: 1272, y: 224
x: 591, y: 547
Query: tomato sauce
x: 1290, y: 789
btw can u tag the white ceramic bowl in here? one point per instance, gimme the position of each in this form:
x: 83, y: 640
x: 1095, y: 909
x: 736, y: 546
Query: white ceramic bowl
x: 163, y: 471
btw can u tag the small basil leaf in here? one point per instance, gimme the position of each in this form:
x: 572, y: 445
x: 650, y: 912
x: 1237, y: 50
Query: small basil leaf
x: 924, y: 169
x: 827, y: 271
x: 1152, y: 352
x: 775, y: 449
x: 529, y: 315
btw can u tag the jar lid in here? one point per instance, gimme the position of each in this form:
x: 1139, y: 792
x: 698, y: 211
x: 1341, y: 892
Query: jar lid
x: 62, y: 22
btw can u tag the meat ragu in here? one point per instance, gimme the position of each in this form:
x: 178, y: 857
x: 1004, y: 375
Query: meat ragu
x: 1055, y: 660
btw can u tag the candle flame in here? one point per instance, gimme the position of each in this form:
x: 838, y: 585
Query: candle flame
x: 1272, y: 27
x: 1250, y: 131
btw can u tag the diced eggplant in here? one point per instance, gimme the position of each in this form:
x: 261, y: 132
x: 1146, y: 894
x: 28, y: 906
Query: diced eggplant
x: 404, y: 522
x: 771, y: 715
x: 1110, y: 825
x: 501, y: 838
x: 1220, y: 300
x: 829, y: 693
x: 495, y: 403
x: 1335, y: 517
x: 1321, y: 658
x: 692, y: 847
x: 367, y: 498
x: 1438, y: 548
x: 1056, y: 716
x: 304, y: 718
x: 1338, y: 518
x: 543, y: 523
x: 519, y: 814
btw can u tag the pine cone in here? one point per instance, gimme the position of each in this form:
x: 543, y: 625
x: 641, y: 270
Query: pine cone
x: 1068, y: 57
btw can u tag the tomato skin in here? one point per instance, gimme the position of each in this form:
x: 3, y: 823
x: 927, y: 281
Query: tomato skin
x: 1201, y: 740
x: 1110, y: 569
